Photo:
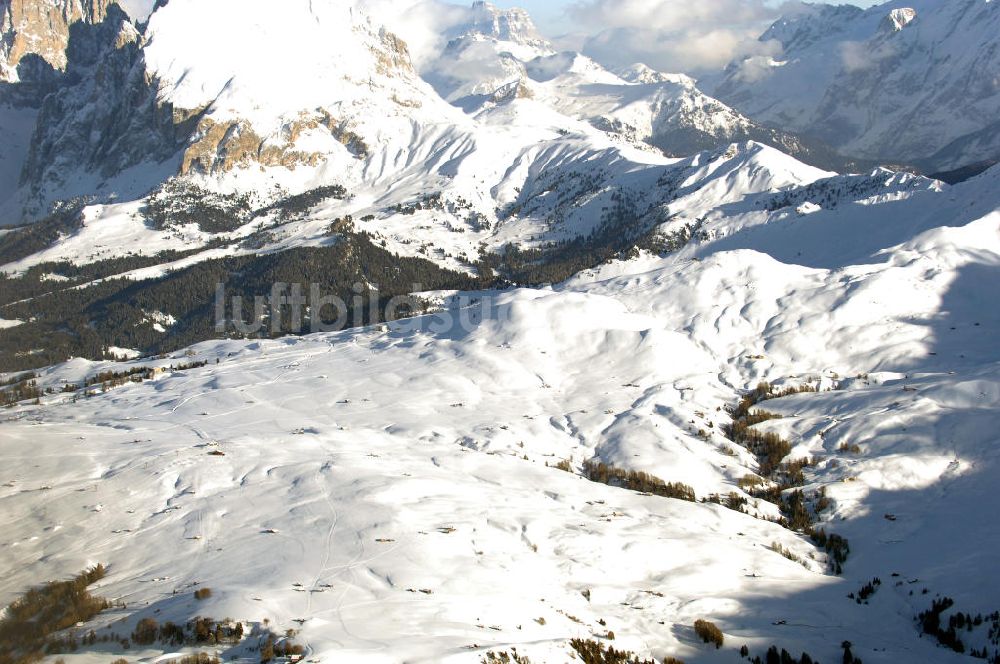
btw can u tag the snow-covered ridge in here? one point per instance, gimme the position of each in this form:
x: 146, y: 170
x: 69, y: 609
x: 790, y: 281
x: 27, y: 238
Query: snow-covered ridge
x: 416, y: 491
x: 904, y: 82
x: 392, y: 504
x: 342, y: 101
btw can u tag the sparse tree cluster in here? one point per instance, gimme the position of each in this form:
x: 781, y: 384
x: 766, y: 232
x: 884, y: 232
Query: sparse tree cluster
x: 828, y: 193
x: 709, y: 632
x: 272, y: 647
x: 775, y: 656
x: 199, y: 658
x: 930, y: 623
x: 64, y: 219
x: 29, y: 624
x: 591, y: 651
x: 867, y: 590
x: 178, y: 203
x: 636, y: 480
x: 779, y: 479
x: 295, y: 206
x: 21, y: 389
x: 504, y: 657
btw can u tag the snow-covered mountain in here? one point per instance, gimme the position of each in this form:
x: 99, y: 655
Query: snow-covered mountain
x: 139, y: 104
x: 41, y: 28
x: 643, y: 106
x: 485, y: 53
x: 905, y: 82
x: 485, y: 61
x: 176, y: 100
x: 652, y: 368
x: 401, y: 493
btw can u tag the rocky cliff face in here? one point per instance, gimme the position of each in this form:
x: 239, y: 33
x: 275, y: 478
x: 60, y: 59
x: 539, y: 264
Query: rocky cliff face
x: 41, y: 27
x: 908, y: 81
x: 509, y: 25
x: 131, y: 108
x: 104, y: 118
x: 219, y: 147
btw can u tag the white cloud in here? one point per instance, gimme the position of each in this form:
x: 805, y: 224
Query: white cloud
x: 137, y: 9
x: 423, y: 24
x: 755, y: 68
x: 691, y: 36
x: 857, y: 55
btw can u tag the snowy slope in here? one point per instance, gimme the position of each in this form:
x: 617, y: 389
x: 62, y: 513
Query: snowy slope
x: 898, y: 82
x: 335, y: 98
x: 522, y: 179
x: 548, y: 187
x: 391, y: 493
x: 387, y: 493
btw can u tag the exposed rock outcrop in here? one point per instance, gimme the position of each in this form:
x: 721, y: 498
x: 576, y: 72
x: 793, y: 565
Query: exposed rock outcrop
x: 219, y: 147
x: 125, y: 123
x: 890, y: 83
x: 42, y: 27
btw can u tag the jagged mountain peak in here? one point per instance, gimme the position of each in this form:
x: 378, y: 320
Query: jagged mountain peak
x: 509, y: 25
x: 898, y: 18
x: 484, y: 53
x: 41, y: 27
x: 643, y: 74
x: 907, y: 81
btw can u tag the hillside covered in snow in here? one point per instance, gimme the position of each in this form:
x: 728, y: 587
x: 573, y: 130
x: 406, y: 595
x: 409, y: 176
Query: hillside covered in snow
x: 418, y: 492
x: 912, y: 82
x: 618, y: 368
x: 336, y: 96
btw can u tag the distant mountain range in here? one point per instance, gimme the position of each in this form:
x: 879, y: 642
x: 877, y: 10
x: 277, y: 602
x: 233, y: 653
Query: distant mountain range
x: 906, y: 82
x: 148, y: 148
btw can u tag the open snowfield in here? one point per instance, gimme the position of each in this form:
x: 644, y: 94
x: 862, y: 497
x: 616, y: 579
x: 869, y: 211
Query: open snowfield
x: 392, y: 493
x: 418, y: 492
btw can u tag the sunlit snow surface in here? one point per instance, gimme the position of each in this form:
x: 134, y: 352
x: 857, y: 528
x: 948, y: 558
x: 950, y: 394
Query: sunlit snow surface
x: 400, y: 476
x: 393, y: 493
